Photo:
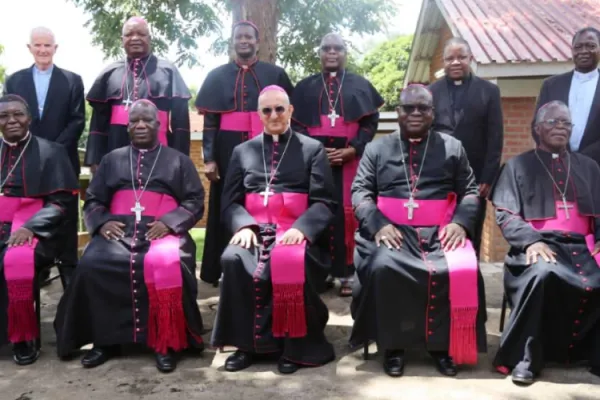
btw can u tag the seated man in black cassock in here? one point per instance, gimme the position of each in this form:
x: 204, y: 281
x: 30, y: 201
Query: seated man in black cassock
x: 37, y: 184
x: 136, y: 280
x: 277, y: 199
x: 547, y: 203
x: 416, y: 200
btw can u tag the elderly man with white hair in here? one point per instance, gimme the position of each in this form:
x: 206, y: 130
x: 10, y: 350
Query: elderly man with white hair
x: 278, y: 199
x: 56, y: 99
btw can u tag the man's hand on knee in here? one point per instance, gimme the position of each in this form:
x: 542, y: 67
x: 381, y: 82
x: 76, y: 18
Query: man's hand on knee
x: 245, y: 238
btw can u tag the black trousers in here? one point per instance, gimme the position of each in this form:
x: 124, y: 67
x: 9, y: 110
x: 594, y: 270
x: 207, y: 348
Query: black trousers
x: 479, y: 221
x: 68, y: 254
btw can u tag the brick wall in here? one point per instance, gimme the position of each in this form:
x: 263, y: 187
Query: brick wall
x: 196, y: 156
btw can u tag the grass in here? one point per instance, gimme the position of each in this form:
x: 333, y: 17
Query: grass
x: 198, y: 237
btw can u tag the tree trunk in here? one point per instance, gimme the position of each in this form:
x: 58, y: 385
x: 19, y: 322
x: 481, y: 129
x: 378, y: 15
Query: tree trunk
x: 265, y: 14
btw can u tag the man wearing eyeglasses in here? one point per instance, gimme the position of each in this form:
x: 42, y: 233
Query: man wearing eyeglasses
x: 340, y: 109
x: 278, y: 199
x: 469, y: 108
x: 547, y: 203
x: 579, y: 89
x: 416, y: 202
x: 228, y: 99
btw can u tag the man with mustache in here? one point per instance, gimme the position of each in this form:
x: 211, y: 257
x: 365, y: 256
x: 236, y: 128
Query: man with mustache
x: 547, y: 203
x: 416, y: 201
x: 340, y: 109
x: 228, y: 99
x: 37, y: 186
x: 140, y: 76
x: 136, y: 280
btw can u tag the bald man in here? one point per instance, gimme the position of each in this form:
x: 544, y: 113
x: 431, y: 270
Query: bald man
x: 136, y: 280
x: 56, y: 100
x: 277, y: 200
x: 416, y: 198
x: 140, y: 76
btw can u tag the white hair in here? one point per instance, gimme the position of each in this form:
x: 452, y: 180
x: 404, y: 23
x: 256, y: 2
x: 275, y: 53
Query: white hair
x: 541, y: 114
x: 41, y: 30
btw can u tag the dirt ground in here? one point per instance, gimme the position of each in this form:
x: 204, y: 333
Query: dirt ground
x: 348, y: 377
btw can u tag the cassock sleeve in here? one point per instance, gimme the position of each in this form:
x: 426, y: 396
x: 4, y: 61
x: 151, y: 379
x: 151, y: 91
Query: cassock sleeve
x: 76, y: 121
x: 495, y: 138
x: 467, y: 192
x: 366, y: 132
x: 191, y: 206
x: 364, y: 194
x: 506, y: 197
x: 180, y: 124
x: 320, y: 198
x: 96, y: 209
x: 285, y: 83
x: 212, y: 122
x: 234, y: 214
x: 97, y: 143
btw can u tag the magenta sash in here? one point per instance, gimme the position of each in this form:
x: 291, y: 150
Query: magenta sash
x: 19, y: 270
x: 462, y: 267
x: 287, y: 262
x: 576, y: 223
x: 348, y: 130
x: 242, y: 122
x: 120, y: 116
x: 167, y: 327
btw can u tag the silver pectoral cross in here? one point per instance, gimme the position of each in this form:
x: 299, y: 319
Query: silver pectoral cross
x: 137, y: 210
x: 332, y: 117
x: 565, y: 207
x: 127, y: 102
x: 265, y: 194
x: 411, y: 205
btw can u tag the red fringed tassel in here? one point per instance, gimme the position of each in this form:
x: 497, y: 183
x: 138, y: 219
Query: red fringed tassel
x: 169, y: 324
x: 152, y: 334
x: 350, y: 227
x: 463, y: 336
x: 288, y: 310
x: 22, y: 320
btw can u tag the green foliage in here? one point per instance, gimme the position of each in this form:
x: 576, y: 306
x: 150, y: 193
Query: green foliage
x: 194, y: 91
x: 86, y: 130
x: 2, y: 69
x: 385, y: 66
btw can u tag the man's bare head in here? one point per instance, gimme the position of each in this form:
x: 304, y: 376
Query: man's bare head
x: 333, y: 52
x: 143, y: 123
x: 42, y: 45
x: 415, y: 112
x: 136, y: 37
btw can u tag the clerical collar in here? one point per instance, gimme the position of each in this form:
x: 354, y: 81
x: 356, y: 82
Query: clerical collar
x: 586, y: 76
x: 554, y: 156
x: 331, y: 74
x: 132, y: 60
x: 280, y: 137
x: 19, y: 142
x: 414, y: 140
x: 151, y: 149
x: 459, y: 82
x: 246, y: 65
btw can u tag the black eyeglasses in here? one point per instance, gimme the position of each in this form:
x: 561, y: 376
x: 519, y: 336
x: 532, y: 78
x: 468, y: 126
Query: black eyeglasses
x: 269, y: 110
x: 555, y: 122
x: 410, y: 108
x: 336, y: 47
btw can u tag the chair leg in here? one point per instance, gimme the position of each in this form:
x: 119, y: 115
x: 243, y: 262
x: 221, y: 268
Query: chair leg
x: 366, y: 350
x: 503, y: 312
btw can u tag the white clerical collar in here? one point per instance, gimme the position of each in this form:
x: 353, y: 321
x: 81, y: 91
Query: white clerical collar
x: 555, y: 156
x: 275, y: 138
x: 20, y: 141
x: 586, y: 76
x: 457, y: 83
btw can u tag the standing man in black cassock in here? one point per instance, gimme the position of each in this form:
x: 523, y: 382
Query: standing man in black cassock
x: 579, y: 89
x: 56, y: 99
x: 416, y: 202
x: 228, y: 99
x: 278, y: 199
x: 37, y: 186
x: 340, y: 109
x: 469, y: 108
x: 136, y: 281
x: 140, y: 76
x: 547, y: 205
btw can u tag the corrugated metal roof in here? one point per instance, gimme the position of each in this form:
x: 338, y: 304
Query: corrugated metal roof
x: 507, y: 31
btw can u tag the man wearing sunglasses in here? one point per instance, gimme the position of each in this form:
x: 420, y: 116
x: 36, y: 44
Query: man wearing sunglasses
x: 340, y: 109
x: 416, y: 201
x: 469, y: 108
x: 547, y: 203
x: 228, y: 100
x: 278, y: 199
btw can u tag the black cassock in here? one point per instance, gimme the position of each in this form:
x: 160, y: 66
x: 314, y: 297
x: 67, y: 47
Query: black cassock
x: 228, y: 99
x: 43, y: 175
x: 357, y: 110
x: 555, y: 307
x: 108, y: 301
x: 126, y: 81
x: 402, y: 298
x: 246, y: 307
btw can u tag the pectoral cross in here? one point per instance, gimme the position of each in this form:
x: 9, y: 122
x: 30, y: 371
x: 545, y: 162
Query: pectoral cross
x: 566, y: 207
x: 137, y: 210
x: 265, y: 194
x: 332, y: 117
x: 127, y: 102
x: 411, y: 205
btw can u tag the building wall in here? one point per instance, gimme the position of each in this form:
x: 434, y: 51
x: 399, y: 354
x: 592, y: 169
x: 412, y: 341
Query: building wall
x: 437, y: 62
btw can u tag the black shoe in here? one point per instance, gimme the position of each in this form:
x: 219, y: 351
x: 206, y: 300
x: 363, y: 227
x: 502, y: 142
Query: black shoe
x: 287, y: 367
x: 393, y: 363
x: 522, y: 376
x: 25, y: 353
x: 43, y: 277
x: 165, y: 362
x: 96, y: 357
x: 238, y: 361
x: 445, y: 364
x: 595, y: 371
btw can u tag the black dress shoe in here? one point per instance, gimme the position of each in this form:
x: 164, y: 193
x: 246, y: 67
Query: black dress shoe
x: 287, y: 367
x: 445, y: 364
x: 165, y: 362
x: 522, y: 376
x: 25, y: 353
x: 393, y: 363
x: 238, y: 361
x: 96, y: 357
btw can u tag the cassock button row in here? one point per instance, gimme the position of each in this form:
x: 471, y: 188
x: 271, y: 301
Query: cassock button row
x: 430, y: 333
x: 137, y: 330
x: 433, y: 283
x: 432, y: 307
x: 577, y: 322
x: 256, y: 280
x: 578, y: 265
x: 433, y: 296
x: 137, y: 320
x: 430, y: 319
x: 574, y: 334
x: 584, y: 301
x: 588, y: 289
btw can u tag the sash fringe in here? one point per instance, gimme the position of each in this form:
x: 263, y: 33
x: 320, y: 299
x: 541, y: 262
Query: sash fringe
x: 288, y: 310
x: 22, y: 319
x: 167, y: 329
x: 350, y: 227
x: 463, y: 335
